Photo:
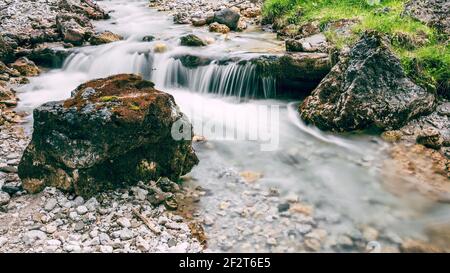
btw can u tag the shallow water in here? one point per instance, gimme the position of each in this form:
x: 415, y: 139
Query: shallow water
x: 340, y: 176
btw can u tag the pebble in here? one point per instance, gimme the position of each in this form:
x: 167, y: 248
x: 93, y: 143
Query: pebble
x: 33, y: 235
x: 124, y: 222
x: 81, y: 210
x: 4, y: 198
x: 126, y: 234
x: 106, y: 249
x: 50, y: 228
x: 50, y: 204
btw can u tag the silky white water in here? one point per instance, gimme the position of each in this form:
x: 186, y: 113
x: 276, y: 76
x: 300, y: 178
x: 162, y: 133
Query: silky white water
x: 340, y: 175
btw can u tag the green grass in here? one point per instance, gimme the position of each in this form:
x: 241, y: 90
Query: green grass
x: 424, y: 50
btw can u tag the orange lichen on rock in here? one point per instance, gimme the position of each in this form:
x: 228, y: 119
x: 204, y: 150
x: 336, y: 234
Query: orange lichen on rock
x: 128, y: 96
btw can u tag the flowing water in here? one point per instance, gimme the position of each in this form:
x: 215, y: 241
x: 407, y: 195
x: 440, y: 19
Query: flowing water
x: 341, y: 176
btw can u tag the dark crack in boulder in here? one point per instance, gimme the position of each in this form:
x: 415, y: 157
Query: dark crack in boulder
x: 111, y: 133
x: 366, y: 89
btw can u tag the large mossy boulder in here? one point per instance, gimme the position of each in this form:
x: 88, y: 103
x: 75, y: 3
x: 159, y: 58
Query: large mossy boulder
x: 111, y: 133
x: 367, y: 88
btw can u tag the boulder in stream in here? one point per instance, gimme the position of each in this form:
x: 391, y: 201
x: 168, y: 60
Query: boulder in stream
x: 104, y: 38
x: 192, y: 40
x: 227, y: 17
x: 26, y: 67
x: 111, y: 133
x: 367, y: 88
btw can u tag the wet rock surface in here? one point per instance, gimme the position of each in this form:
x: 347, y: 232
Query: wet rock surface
x: 366, y: 89
x: 112, y: 132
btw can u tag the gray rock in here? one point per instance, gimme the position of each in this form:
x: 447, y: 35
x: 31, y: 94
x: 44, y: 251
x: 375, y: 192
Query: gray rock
x: 227, y: 17
x: 50, y: 204
x: 4, y: 198
x: 32, y: 236
x: 367, y: 88
x: 81, y: 210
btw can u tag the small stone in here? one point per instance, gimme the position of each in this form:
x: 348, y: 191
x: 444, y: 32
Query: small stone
x: 140, y: 193
x: 104, y: 238
x: 50, y: 228
x: 301, y: 208
x: 7, y: 169
x: 148, y: 38
x: 3, y: 241
x: 78, y: 226
x: 73, y: 215
x: 430, y: 138
x: 370, y: 234
x: 126, y: 234
x: 106, y: 249
x: 271, y: 241
x: 142, y: 244
x: 82, y: 210
x: 159, y: 48
x: 345, y: 241
x: 304, y: 228
x: 32, y: 236
x: 208, y: 221
x: 54, y: 242
x: 250, y: 177
x: 78, y: 201
x: 4, y: 198
x: 92, y: 204
x: 50, y: 204
x: 312, y: 245
x: 124, y: 222
x: 283, y: 207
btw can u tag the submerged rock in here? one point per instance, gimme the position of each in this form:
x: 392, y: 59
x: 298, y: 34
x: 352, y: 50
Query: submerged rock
x: 111, y: 133
x: 367, y: 88
x: 192, y: 40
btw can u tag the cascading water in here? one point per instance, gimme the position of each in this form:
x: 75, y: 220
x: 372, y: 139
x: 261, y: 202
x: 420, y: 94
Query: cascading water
x: 231, y: 79
x: 340, y: 176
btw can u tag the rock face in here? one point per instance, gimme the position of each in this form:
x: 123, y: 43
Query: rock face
x: 227, y: 17
x: 367, y: 88
x: 431, y: 12
x: 111, y: 133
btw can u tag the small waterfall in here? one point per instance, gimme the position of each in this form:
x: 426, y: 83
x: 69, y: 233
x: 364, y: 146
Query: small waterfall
x: 231, y: 79
x: 111, y: 59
